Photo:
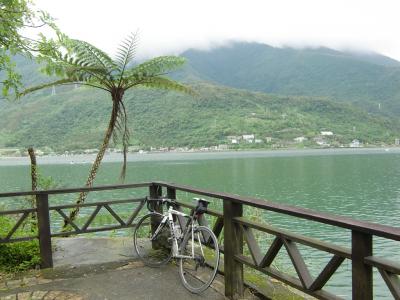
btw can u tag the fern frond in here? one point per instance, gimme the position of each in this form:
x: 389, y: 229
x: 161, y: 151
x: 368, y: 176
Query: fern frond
x: 166, y: 84
x: 45, y: 85
x: 91, y: 55
x: 157, y: 66
x: 126, y: 52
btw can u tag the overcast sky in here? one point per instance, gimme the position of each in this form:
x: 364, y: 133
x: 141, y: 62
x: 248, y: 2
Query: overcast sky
x: 171, y: 26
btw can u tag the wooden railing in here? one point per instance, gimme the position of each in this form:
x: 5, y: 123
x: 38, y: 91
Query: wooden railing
x: 239, y: 231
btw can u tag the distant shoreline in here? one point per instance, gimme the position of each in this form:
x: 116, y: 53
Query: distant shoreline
x: 162, y: 156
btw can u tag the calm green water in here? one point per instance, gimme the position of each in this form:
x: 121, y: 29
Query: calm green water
x: 364, y: 185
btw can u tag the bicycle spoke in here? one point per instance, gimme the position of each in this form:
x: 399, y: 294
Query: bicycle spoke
x: 153, y: 249
x: 198, y: 271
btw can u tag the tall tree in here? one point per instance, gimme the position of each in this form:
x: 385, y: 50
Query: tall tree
x: 15, y: 16
x: 79, y: 62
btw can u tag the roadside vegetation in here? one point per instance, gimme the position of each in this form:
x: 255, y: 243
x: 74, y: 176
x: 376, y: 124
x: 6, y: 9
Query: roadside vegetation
x: 18, y: 256
x: 21, y: 256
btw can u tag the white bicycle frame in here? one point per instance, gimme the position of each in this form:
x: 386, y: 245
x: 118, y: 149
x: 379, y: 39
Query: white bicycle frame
x: 175, y: 247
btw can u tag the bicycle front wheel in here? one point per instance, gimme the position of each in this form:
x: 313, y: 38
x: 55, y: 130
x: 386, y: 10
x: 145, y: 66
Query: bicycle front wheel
x: 153, y: 250
x: 198, y: 270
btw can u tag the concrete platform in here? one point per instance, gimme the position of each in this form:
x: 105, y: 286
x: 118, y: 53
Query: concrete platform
x: 78, y: 251
x: 101, y: 268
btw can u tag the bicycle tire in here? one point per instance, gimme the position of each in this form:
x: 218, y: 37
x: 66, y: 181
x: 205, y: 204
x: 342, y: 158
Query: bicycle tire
x: 156, y: 252
x: 197, y: 274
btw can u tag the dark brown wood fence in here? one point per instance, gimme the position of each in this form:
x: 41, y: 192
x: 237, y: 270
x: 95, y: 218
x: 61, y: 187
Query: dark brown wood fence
x: 238, y: 231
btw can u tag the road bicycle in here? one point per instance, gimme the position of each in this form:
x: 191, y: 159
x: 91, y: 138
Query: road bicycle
x: 159, y: 237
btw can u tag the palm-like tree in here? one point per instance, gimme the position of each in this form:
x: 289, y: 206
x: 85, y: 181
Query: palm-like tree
x: 79, y: 62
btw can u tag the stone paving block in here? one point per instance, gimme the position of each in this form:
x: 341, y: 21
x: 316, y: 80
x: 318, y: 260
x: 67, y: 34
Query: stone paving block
x: 72, y: 296
x: 9, y: 297
x: 3, y: 285
x: 29, y: 281
x: 52, y: 295
x: 76, y: 297
x: 67, y: 296
x: 38, y: 295
x: 12, y: 284
x: 24, y: 296
x: 43, y: 280
x: 136, y: 264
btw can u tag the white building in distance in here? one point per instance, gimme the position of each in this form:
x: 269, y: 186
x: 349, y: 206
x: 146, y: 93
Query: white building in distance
x: 300, y: 139
x: 248, y: 138
x: 326, y: 133
x: 355, y: 144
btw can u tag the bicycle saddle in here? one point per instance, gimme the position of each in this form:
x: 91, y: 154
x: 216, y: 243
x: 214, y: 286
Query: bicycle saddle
x: 201, y: 206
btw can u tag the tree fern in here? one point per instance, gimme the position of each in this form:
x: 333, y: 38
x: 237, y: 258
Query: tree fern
x: 82, y: 63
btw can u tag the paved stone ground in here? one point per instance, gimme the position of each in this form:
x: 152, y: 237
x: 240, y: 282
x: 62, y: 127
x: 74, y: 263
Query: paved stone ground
x: 130, y: 281
x: 101, y: 269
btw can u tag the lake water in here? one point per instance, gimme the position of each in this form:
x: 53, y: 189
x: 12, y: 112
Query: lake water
x: 363, y: 184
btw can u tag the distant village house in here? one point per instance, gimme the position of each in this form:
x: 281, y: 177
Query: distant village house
x: 248, y: 138
x: 326, y: 133
x: 234, y: 139
x: 355, y: 144
x: 321, y: 141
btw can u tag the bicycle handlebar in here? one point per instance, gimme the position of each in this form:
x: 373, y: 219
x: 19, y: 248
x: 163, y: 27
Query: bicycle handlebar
x: 201, y: 206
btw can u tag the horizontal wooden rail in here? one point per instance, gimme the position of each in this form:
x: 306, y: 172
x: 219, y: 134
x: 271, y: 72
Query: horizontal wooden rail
x: 110, y: 202
x: 92, y: 230
x: 383, y: 263
x: 77, y: 190
x: 304, y: 213
x: 17, y: 211
x: 19, y: 239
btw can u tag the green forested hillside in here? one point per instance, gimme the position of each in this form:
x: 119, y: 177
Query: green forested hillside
x: 77, y: 118
x: 363, y: 79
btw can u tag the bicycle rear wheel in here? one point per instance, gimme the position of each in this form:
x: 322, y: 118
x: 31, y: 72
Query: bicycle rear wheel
x: 198, y: 272
x: 154, y: 251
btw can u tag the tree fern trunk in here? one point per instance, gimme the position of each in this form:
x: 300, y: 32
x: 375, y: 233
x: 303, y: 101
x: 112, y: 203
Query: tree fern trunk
x: 34, y: 176
x: 96, y: 164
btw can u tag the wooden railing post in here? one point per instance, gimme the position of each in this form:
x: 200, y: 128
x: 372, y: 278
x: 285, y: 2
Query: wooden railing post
x: 43, y: 223
x: 155, y: 191
x: 233, y: 245
x: 171, y: 193
x: 361, y: 247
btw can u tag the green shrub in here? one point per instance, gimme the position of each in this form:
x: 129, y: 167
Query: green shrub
x: 18, y: 256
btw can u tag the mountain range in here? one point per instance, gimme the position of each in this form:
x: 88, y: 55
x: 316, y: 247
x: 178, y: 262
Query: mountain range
x: 365, y: 79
